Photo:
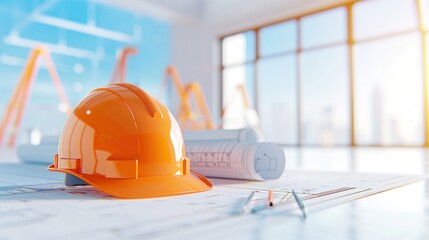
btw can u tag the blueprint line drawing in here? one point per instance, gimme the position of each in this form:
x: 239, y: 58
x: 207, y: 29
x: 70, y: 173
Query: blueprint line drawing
x: 36, y: 203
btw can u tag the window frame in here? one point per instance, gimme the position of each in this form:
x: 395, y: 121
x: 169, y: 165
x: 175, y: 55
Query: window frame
x: 350, y: 42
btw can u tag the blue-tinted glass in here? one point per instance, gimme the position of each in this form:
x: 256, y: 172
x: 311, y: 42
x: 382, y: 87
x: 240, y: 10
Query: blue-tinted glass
x: 107, y: 17
x: 250, y: 45
x: 238, y: 48
x: 75, y: 10
x: 80, y: 40
x: 374, y: 18
x: 278, y: 99
x: 235, y: 80
x: 84, y: 60
x: 13, y: 52
x: 18, y: 7
x: 388, y: 90
x: 41, y: 32
x: 325, y: 94
x: 8, y: 20
x: 278, y: 38
x: 324, y: 28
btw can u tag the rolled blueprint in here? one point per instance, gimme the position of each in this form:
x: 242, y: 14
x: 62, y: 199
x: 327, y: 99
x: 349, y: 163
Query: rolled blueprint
x: 234, y: 154
x: 240, y: 160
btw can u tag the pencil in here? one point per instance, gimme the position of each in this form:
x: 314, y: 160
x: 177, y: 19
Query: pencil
x: 270, y: 198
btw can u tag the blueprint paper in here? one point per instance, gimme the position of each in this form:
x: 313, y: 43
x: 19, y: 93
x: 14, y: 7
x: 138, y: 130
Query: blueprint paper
x: 238, y: 160
x: 236, y: 154
x: 39, y: 205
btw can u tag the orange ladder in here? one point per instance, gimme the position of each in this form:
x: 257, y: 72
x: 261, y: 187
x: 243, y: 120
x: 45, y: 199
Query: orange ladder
x: 121, y: 65
x: 240, y: 91
x: 21, y: 95
x: 188, y: 119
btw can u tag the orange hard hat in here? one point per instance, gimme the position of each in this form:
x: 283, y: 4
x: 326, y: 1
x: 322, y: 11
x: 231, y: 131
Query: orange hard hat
x: 124, y: 142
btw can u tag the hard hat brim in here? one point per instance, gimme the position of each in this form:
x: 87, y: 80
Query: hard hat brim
x: 145, y: 187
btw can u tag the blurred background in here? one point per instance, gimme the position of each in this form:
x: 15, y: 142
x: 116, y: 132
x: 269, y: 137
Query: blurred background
x: 84, y: 39
x: 305, y: 72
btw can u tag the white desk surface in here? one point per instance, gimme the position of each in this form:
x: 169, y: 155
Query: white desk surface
x: 401, y: 213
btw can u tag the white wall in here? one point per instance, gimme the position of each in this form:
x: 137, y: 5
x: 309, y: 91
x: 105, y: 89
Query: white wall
x: 195, y: 45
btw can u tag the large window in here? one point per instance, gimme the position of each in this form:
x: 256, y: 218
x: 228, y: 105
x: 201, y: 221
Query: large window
x: 389, y: 96
x: 324, y: 79
x: 277, y: 75
x: 325, y: 103
x: 388, y: 73
x: 277, y: 98
x: 352, y: 74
